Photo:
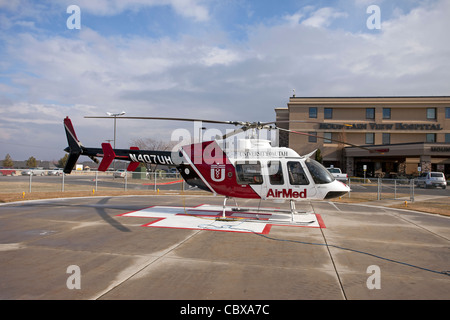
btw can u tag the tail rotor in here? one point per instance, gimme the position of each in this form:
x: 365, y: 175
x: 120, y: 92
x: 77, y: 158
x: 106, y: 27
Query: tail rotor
x: 75, y: 147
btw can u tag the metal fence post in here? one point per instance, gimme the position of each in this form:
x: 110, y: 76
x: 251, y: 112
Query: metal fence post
x: 31, y: 174
x: 96, y: 179
x: 379, y: 189
x: 349, y: 185
x: 395, y: 189
x: 126, y: 180
x: 62, y: 185
x: 411, y: 198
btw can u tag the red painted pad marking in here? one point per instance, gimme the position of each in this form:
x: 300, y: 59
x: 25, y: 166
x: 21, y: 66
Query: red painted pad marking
x: 162, y: 183
x: 267, y: 229
x: 320, y: 221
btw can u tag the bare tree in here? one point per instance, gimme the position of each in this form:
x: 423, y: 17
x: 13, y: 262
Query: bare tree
x: 152, y: 144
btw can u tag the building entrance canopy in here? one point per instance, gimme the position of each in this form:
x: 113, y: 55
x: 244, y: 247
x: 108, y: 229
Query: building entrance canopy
x: 401, y: 159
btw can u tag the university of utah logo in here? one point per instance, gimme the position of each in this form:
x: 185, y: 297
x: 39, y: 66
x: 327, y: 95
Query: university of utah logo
x: 218, y: 172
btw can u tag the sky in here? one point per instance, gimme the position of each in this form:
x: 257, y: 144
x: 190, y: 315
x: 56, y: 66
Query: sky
x: 208, y: 59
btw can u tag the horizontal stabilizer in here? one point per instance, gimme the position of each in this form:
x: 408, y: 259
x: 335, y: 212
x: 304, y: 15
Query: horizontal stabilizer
x: 133, y: 165
x: 108, y: 157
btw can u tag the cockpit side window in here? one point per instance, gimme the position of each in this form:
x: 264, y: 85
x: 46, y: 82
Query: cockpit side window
x: 318, y: 172
x: 249, y: 173
x: 275, y: 173
x: 296, y: 174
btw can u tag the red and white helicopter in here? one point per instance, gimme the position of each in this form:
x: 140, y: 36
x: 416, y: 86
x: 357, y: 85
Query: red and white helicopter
x: 253, y: 169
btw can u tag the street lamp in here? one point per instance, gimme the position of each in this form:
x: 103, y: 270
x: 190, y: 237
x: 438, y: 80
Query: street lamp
x: 115, y: 115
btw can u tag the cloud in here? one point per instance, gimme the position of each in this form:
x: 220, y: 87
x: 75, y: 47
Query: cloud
x: 323, y: 17
x: 192, y: 9
x: 398, y: 60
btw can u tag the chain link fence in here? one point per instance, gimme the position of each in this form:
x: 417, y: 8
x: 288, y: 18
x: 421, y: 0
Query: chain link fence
x: 56, y: 181
x: 382, y: 189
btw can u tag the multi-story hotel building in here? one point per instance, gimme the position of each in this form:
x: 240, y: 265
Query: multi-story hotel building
x: 406, y: 134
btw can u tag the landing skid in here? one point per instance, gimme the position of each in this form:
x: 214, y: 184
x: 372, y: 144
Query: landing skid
x: 296, y: 217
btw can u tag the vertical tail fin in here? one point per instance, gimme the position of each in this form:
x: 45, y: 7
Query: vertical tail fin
x: 75, y: 147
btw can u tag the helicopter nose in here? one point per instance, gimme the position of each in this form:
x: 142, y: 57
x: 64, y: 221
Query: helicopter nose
x: 337, y: 189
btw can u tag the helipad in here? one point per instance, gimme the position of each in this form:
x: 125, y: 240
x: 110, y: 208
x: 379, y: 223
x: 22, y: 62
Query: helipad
x: 209, y: 217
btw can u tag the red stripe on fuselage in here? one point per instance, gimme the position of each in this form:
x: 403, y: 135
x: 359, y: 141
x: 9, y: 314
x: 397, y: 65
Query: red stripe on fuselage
x: 216, y: 169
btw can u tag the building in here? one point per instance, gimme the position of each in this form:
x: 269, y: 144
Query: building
x: 399, y: 135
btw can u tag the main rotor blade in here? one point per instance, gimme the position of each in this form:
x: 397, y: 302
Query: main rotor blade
x: 237, y: 131
x: 236, y: 123
x: 334, y: 140
x: 290, y: 121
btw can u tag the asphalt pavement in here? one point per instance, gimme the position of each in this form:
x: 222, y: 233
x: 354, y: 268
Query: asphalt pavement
x: 84, y: 249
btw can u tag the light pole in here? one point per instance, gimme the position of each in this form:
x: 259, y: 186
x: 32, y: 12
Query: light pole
x: 115, y: 115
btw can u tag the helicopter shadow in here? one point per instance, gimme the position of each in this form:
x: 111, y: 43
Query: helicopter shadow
x: 107, y: 218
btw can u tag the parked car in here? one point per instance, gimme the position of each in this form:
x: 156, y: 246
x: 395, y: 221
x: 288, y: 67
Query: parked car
x: 119, y: 173
x: 7, y: 171
x: 431, y: 179
x: 55, y: 172
x: 337, y: 174
x: 33, y: 172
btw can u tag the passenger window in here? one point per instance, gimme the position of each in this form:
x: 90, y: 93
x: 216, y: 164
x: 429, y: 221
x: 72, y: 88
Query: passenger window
x: 296, y: 174
x: 275, y: 172
x: 249, y: 173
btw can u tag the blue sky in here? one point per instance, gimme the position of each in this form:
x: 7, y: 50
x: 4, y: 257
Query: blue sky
x: 217, y: 59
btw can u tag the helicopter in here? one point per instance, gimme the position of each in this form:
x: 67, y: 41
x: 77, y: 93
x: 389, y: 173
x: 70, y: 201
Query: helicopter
x: 254, y: 169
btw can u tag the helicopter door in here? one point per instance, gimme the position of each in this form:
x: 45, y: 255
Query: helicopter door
x: 249, y: 174
x: 277, y: 181
x: 298, y: 180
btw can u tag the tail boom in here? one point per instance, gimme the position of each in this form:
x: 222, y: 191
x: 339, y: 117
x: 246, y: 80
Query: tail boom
x: 134, y: 155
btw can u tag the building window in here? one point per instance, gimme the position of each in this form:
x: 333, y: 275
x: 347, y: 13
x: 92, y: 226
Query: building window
x: 431, y: 113
x: 370, y: 113
x: 431, y: 137
x: 447, y: 138
x: 386, y: 113
x: 386, y: 138
x: 313, y: 112
x: 312, y: 137
x: 328, y: 113
x: 370, y: 138
x: 327, y: 137
x: 447, y: 113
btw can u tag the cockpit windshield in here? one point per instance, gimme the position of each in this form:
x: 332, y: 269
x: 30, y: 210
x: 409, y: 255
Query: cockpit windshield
x: 318, y: 172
